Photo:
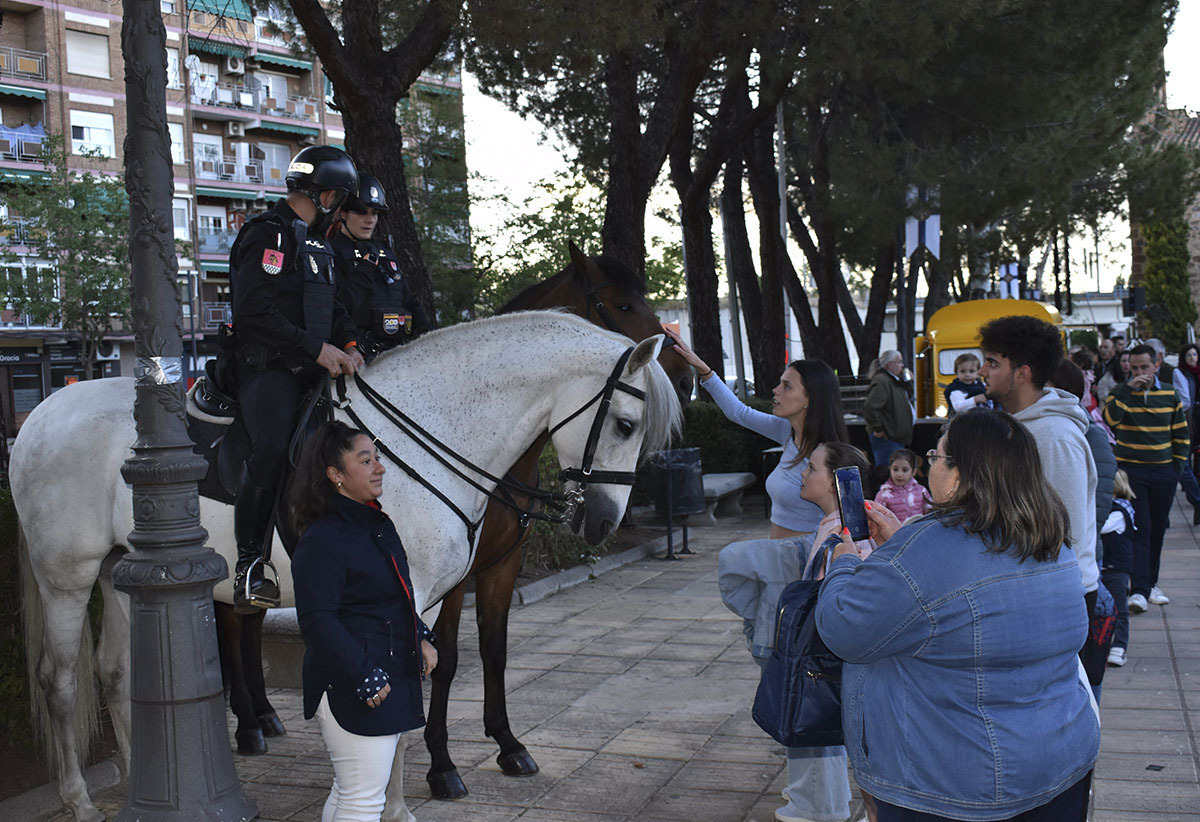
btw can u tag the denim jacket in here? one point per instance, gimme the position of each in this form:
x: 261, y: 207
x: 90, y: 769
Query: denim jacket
x: 961, y: 693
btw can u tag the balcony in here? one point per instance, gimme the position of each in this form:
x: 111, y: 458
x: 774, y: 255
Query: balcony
x: 237, y: 97
x: 22, y: 144
x: 263, y: 33
x: 15, y: 232
x: 28, y: 65
x: 215, y: 240
x: 230, y: 169
x: 216, y: 314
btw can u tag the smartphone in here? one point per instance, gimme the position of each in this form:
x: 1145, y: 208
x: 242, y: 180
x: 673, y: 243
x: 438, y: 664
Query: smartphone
x: 850, y: 502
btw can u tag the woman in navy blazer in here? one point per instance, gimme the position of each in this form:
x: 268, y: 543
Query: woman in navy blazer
x: 366, y: 650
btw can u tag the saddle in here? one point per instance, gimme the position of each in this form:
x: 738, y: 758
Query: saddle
x: 218, y: 437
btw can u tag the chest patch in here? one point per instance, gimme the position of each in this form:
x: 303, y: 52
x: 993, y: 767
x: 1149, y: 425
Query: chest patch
x: 272, y: 261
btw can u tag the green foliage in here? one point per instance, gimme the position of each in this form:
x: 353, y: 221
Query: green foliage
x: 553, y: 547
x: 724, y: 446
x: 14, y: 699
x: 1170, y: 309
x: 75, y: 225
x: 531, y: 244
x: 1087, y: 337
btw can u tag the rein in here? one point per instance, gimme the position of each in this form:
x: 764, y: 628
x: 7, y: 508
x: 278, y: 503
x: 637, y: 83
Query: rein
x: 565, y: 506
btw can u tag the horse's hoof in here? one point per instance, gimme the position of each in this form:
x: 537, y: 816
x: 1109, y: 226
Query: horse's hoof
x: 517, y: 763
x: 446, y: 785
x: 251, y: 742
x: 271, y: 726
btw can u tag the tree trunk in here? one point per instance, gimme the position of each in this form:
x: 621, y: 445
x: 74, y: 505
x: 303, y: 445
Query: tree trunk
x: 881, y: 290
x: 939, y: 272
x: 624, y: 232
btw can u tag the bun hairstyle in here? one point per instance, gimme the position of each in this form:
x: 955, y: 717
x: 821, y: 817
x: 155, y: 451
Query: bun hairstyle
x: 310, y: 491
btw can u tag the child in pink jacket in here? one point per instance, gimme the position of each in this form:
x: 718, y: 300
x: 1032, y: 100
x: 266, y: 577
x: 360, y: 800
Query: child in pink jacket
x: 902, y: 494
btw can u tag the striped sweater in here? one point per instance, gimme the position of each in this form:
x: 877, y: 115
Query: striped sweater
x: 1150, y: 426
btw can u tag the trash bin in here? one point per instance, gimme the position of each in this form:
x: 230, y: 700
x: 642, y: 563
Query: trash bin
x: 678, y: 482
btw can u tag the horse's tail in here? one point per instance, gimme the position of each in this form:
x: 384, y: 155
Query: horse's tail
x: 87, y: 691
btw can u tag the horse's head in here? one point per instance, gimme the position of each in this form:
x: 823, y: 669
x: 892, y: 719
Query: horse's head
x: 600, y: 446
x: 606, y: 292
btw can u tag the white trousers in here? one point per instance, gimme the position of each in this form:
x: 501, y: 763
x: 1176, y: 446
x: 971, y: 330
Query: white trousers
x: 362, y: 767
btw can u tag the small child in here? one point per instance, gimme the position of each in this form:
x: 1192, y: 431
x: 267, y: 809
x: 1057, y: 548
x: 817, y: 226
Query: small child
x: 1117, y: 537
x: 902, y: 494
x: 967, y: 390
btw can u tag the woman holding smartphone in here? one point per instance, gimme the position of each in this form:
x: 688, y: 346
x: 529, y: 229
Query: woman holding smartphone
x: 806, y: 412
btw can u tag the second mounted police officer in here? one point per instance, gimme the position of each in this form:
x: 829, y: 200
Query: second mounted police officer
x: 289, y: 330
x: 370, y: 283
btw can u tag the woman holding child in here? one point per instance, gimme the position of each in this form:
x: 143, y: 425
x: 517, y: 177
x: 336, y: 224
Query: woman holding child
x: 962, y: 694
x: 806, y: 413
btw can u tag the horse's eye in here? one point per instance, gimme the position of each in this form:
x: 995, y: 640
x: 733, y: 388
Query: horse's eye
x: 625, y: 427
x: 624, y: 307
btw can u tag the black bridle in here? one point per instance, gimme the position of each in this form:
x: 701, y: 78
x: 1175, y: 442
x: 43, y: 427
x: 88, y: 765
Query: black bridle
x: 597, y: 305
x: 564, y: 506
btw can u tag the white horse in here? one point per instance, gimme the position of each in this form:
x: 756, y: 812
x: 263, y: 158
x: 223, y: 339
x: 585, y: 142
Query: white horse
x: 486, y: 389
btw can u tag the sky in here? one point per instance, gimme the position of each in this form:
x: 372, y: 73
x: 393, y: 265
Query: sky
x: 511, y: 154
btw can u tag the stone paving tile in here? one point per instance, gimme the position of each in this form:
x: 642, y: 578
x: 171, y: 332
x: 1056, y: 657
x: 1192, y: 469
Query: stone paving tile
x: 1142, y: 719
x: 621, y: 784
x: 685, y: 804
x: 1154, y: 767
x: 656, y: 743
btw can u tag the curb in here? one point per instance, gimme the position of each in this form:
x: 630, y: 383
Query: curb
x: 43, y: 802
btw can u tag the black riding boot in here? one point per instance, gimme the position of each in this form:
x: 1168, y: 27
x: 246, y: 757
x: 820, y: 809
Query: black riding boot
x: 251, y: 519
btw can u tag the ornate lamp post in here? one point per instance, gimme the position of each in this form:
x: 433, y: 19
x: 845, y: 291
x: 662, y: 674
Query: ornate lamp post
x: 182, y: 767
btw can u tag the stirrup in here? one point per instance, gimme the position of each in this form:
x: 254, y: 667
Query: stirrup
x: 257, y: 598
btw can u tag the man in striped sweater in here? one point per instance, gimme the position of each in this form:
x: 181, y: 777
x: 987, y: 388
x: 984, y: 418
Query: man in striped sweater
x: 1146, y: 416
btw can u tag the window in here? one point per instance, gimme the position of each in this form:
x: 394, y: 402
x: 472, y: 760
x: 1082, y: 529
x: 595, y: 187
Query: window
x: 181, y: 215
x: 166, y: 6
x: 92, y: 131
x: 275, y: 160
x: 174, y: 75
x: 175, y: 130
x: 208, y: 154
x: 87, y: 54
x: 274, y: 87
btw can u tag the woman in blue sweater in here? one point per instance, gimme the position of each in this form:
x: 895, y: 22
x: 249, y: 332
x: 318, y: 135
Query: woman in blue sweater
x: 806, y: 412
x: 366, y: 650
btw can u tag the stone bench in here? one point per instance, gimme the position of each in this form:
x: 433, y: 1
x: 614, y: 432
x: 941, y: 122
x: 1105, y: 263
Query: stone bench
x: 723, y: 494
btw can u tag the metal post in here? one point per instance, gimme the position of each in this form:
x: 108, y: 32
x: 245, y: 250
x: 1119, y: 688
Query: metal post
x: 735, y: 318
x: 670, y: 518
x: 182, y: 767
x: 193, y: 301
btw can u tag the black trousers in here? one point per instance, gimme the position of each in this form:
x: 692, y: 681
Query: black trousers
x: 270, y: 405
x: 1154, y: 487
x: 1069, y: 806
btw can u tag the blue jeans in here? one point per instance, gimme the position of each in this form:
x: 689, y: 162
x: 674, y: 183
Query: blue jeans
x: 1154, y: 489
x: 1069, y: 806
x: 1191, y: 488
x: 1117, y: 583
x: 882, y: 449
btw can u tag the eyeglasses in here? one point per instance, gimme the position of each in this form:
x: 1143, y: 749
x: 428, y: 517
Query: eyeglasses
x: 933, y: 456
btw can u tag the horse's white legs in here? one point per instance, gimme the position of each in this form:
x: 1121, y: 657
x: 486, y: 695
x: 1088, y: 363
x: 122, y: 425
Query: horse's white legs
x: 396, y: 809
x: 113, y: 663
x: 56, y: 672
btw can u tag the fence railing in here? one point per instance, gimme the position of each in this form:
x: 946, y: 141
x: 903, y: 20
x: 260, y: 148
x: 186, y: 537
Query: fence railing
x: 217, y: 313
x: 238, y: 97
x: 30, y: 65
x: 215, y: 240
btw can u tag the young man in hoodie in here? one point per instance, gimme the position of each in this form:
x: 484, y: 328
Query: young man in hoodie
x: 1019, y: 356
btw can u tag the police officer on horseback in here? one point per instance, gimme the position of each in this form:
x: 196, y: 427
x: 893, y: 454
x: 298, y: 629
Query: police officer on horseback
x: 370, y: 283
x: 289, y: 331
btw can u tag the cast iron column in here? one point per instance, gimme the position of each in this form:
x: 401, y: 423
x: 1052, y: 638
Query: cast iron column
x: 182, y: 767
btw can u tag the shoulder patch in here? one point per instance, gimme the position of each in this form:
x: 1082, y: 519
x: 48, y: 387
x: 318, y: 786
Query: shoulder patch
x: 272, y: 261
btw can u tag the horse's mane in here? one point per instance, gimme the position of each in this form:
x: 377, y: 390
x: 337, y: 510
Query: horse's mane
x: 664, y: 417
x: 622, y: 275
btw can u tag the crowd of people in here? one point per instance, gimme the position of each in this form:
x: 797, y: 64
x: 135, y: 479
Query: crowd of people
x: 976, y: 623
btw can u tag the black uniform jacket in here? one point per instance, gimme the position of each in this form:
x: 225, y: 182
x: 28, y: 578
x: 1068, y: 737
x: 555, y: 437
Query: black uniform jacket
x: 268, y: 287
x: 355, y: 608
x: 369, y: 277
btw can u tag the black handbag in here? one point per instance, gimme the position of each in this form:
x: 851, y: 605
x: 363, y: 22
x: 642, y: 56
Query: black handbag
x: 799, y: 698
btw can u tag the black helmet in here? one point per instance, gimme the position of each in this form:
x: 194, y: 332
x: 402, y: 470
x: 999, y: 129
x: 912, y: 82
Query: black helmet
x: 318, y: 168
x: 370, y: 195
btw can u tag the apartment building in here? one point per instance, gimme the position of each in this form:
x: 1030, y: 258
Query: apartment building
x: 242, y: 99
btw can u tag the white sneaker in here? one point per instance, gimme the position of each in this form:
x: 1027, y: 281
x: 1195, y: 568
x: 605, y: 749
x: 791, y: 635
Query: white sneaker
x: 1157, y: 597
x: 1137, y: 604
x: 1116, y: 657
x: 785, y: 814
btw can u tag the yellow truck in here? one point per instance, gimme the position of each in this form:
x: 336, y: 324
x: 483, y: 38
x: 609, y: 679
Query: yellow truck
x: 954, y: 330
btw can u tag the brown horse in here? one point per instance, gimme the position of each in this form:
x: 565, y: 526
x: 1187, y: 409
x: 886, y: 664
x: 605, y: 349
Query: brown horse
x: 610, y: 295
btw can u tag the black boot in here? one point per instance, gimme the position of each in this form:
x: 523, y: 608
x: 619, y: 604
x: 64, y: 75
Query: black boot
x: 251, y: 519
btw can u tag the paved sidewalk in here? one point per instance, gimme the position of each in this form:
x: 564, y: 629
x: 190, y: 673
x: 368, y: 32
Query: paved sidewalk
x: 633, y: 693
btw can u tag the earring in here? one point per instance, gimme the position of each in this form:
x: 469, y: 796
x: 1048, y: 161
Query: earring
x: 339, y: 485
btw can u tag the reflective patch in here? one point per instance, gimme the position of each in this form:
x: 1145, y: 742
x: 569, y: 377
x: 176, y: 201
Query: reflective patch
x: 272, y: 261
x: 374, y: 193
x: 300, y: 168
x: 312, y: 263
x: 394, y: 266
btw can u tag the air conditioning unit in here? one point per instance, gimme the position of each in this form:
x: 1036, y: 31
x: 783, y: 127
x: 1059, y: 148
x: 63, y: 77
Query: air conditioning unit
x: 235, y: 65
x: 235, y: 129
x: 108, y: 350
x: 307, y: 139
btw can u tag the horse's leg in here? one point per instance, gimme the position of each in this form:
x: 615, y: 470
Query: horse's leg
x: 252, y: 665
x: 493, y: 599
x: 112, y: 658
x: 396, y: 809
x: 56, y: 672
x: 444, y: 781
x: 248, y: 734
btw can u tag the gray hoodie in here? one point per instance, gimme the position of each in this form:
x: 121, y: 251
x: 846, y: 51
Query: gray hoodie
x: 1060, y: 426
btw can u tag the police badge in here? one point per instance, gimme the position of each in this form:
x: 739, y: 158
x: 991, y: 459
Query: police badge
x: 272, y: 261
x: 391, y: 324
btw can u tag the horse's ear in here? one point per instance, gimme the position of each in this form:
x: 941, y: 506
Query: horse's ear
x: 643, y: 353
x: 578, y: 258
